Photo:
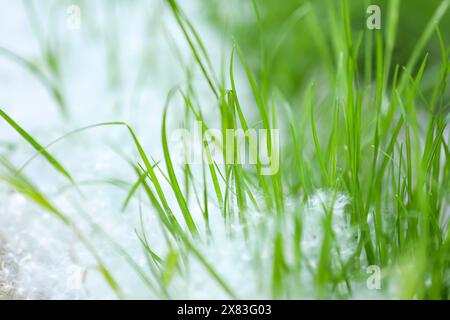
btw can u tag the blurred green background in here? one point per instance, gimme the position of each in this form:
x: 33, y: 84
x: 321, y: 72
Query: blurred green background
x: 295, y: 42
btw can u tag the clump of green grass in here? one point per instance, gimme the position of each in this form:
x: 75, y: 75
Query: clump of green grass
x: 379, y: 139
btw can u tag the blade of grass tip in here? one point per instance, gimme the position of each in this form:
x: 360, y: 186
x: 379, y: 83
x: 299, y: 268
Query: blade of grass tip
x: 150, y: 170
x: 200, y: 43
x: 245, y: 127
x: 141, y: 178
x: 133, y: 190
x: 174, y: 181
x: 168, y: 219
x: 36, y: 146
x: 165, y: 215
x: 175, y: 9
